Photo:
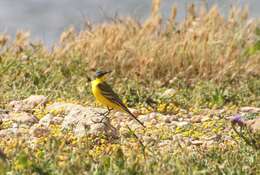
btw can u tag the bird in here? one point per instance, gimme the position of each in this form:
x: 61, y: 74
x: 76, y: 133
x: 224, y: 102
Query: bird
x: 105, y: 95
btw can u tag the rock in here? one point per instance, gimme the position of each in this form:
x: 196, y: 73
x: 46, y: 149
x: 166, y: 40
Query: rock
x: 199, y: 118
x: 196, y: 119
x: 83, y: 120
x: 165, y: 143
x: 149, y: 140
x: 57, y: 120
x: 227, y: 138
x: 149, y: 117
x: 168, y: 93
x: 180, y: 124
x: 168, y: 118
x: 205, y: 119
x: 39, y: 130
x: 183, y: 111
x: 97, y: 129
x: 197, y: 142
x: 50, y: 119
x: 29, y: 103
x: 208, y: 144
x: 134, y: 111
x: 250, y: 109
x: 132, y: 124
x: 254, y: 125
x: 180, y: 119
x: 3, y: 111
x: 46, y: 120
x: 67, y: 107
x: 80, y: 130
x: 178, y: 138
x: 221, y: 111
x: 22, y: 126
x: 10, y: 132
x: 6, y: 132
x: 23, y: 118
x: 4, y: 117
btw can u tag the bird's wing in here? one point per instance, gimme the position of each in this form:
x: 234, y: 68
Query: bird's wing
x: 108, y: 92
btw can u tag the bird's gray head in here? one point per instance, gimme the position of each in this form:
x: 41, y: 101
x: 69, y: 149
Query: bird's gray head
x: 100, y: 74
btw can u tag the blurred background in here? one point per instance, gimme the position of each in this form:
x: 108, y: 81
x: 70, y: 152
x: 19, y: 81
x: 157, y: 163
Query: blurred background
x: 46, y: 19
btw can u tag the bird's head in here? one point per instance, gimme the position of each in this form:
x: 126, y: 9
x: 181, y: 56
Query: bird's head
x: 100, y: 74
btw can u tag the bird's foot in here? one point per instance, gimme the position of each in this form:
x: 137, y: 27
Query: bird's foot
x: 105, y: 114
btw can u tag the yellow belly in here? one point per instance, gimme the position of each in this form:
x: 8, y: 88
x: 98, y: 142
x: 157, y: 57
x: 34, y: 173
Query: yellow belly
x: 101, y: 99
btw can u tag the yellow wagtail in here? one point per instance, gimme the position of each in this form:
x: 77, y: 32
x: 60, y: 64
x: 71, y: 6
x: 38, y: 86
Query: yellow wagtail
x: 106, y: 96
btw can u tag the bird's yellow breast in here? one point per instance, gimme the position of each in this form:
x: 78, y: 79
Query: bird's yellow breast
x: 99, y: 97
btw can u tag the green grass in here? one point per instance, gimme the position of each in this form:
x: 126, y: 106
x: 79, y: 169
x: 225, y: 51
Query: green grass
x: 55, y: 79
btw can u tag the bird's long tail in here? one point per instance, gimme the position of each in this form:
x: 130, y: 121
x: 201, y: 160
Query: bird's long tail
x: 132, y: 115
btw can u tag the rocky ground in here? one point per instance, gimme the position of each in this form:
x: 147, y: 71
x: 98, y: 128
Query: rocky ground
x: 36, y: 117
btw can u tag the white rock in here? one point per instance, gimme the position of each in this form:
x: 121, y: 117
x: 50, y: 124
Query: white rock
x: 97, y: 129
x: 28, y: 103
x: 180, y: 124
x: 165, y: 143
x: 196, y: 119
x: 57, y: 120
x: 132, y: 124
x: 46, y: 120
x: 4, y: 117
x: 3, y: 111
x: 149, y: 117
x: 39, y: 130
x: 167, y: 118
x: 148, y: 140
x: 80, y: 130
x: 83, y: 120
x: 6, y: 132
x: 250, y: 109
x: 196, y: 142
x: 254, y: 125
x: 168, y: 93
x: 10, y: 132
x: 23, y: 118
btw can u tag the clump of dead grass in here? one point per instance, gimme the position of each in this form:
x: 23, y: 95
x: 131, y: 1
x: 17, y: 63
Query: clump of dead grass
x: 205, y: 45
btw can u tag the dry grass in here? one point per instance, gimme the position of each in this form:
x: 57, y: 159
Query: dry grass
x: 203, y: 46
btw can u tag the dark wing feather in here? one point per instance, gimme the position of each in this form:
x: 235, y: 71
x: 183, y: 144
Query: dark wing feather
x: 108, y: 92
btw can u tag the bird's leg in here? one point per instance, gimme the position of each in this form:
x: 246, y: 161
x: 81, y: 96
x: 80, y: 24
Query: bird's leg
x: 108, y: 111
x: 105, y: 114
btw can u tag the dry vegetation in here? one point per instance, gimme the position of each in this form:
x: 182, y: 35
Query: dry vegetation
x: 203, y: 46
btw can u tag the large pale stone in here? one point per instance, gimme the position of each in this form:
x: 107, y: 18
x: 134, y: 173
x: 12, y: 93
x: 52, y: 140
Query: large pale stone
x: 168, y: 93
x: 83, y: 120
x: 254, y: 125
x: 250, y: 109
x: 39, y: 130
x: 29, y: 103
x: 23, y: 118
